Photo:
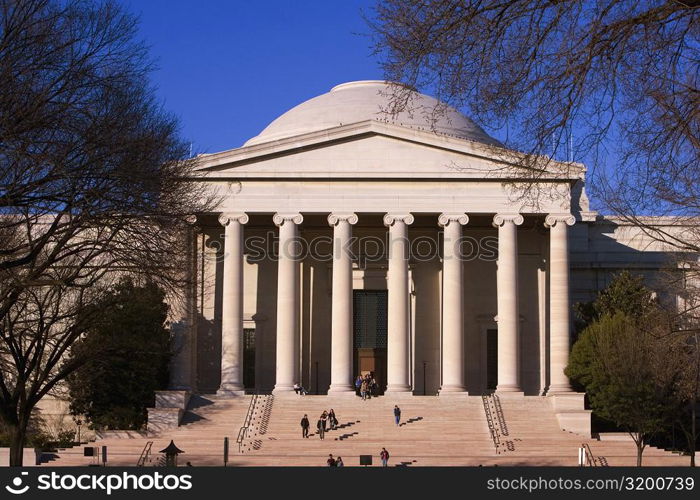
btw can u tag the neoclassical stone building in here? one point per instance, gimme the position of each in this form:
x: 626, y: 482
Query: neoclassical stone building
x: 349, y: 240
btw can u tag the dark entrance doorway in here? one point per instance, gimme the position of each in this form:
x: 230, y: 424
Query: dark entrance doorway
x: 249, y: 358
x: 491, y: 359
x: 370, y: 334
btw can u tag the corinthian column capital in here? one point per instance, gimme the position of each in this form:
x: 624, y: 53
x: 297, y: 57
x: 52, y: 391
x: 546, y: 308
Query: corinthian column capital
x: 336, y: 217
x: 228, y: 217
x: 445, y: 218
x: 279, y: 218
x: 552, y: 219
x: 500, y: 219
x: 391, y: 218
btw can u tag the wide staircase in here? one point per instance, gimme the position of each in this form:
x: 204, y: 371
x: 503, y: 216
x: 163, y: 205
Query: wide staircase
x: 265, y: 430
x: 527, y: 433
x: 204, y: 425
x: 433, y: 431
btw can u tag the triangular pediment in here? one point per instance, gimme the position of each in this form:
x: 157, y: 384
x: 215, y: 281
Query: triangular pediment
x: 374, y: 150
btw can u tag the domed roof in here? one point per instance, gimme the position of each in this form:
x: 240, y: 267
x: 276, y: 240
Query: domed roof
x: 359, y: 101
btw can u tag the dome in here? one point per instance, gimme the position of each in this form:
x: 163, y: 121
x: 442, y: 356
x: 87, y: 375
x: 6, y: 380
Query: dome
x: 369, y: 100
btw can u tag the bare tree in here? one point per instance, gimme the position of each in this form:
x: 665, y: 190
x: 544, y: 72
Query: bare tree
x: 37, y: 335
x: 93, y: 183
x: 611, y: 82
x: 623, y: 74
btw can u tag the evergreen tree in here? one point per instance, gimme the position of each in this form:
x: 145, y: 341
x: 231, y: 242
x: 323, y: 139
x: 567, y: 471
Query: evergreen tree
x: 627, y: 360
x: 130, y: 351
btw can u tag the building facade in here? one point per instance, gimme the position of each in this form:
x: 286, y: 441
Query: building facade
x: 349, y: 240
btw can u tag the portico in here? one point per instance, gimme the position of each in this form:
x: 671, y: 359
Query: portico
x: 331, y: 203
x: 452, y: 349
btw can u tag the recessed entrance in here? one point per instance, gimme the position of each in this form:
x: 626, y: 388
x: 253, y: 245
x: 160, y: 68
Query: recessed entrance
x: 370, y: 334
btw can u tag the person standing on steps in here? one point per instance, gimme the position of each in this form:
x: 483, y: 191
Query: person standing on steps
x: 358, y: 384
x: 368, y: 380
x: 321, y: 428
x: 384, y: 456
x: 333, y: 420
x: 331, y: 461
x: 339, y: 462
x: 305, y: 426
x: 364, y: 389
x: 324, y: 417
x: 397, y: 414
x: 373, y: 386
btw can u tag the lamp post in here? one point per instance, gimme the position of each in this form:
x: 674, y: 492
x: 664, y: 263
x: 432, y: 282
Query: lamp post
x: 171, y: 452
x: 78, y: 423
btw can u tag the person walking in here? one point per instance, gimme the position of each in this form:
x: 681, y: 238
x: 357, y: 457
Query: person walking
x: 321, y: 429
x: 397, y: 414
x: 331, y: 461
x: 332, y: 419
x: 358, y: 384
x: 339, y: 462
x: 324, y: 417
x: 384, y: 456
x: 305, y: 426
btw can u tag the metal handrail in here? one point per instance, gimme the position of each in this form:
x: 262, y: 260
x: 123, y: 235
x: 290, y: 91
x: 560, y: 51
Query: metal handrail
x: 145, y: 453
x: 490, y: 422
x: 589, y: 455
x: 243, y: 431
x: 500, y: 417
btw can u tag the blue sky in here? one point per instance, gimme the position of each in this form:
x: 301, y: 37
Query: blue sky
x: 228, y: 68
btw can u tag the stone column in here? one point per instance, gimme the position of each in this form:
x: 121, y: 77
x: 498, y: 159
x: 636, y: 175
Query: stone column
x: 184, y: 332
x: 559, y: 305
x: 508, y: 314
x: 232, y: 306
x: 452, y: 304
x: 398, y: 377
x: 287, y: 302
x: 341, y: 311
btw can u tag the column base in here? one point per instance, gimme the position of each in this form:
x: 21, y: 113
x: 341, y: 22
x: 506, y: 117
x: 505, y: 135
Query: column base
x: 508, y: 390
x: 283, y: 389
x: 453, y: 390
x: 230, y: 391
x: 559, y: 389
x: 341, y: 389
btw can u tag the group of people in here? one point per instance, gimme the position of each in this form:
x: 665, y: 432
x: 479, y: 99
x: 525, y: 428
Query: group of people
x: 325, y: 421
x: 366, y: 386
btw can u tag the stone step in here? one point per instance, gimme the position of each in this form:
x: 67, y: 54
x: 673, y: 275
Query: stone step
x: 437, y: 431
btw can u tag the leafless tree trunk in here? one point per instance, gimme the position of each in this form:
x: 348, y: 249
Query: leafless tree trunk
x: 92, y: 185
